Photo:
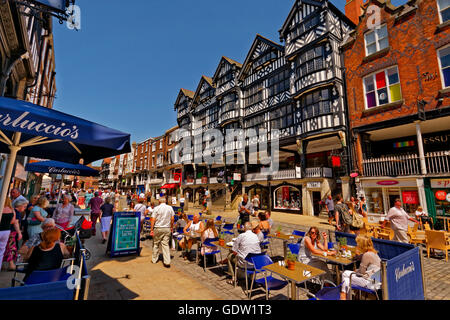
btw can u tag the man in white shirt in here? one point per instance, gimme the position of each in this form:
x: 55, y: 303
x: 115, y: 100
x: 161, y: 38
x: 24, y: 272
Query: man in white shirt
x: 247, y: 242
x: 399, y: 222
x: 161, y: 229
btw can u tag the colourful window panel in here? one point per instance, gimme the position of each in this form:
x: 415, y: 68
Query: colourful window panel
x: 381, y: 80
x: 393, y: 76
x: 395, y: 92
x: 371, y: 100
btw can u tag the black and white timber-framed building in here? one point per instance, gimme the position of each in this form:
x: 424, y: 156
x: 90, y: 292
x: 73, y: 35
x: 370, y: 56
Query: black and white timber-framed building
x: 297, y: 89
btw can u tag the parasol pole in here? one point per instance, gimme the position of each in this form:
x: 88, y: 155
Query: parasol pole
x: 14, y: 148
x: 60, y: 188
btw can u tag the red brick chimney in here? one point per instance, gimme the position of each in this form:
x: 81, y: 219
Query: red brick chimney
x: 353, y: 10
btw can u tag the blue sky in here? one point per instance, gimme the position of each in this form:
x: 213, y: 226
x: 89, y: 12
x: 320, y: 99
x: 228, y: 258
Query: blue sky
x: 125, y: 67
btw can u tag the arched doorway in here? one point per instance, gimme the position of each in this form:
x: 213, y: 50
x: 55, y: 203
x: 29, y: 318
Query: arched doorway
x: 264, y: 195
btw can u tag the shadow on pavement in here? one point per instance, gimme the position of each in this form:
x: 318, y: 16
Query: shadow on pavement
x: 108, y: 288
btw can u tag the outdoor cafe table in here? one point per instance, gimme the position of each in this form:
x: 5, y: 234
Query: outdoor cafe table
x: 285, y: 238
x: 295, y: 276
x: 337, y: 262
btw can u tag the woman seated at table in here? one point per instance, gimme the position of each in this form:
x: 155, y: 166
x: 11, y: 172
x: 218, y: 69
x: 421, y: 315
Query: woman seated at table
x: 48, y: 255
x: 311, y: 245
x: 423, y: 217
x: 263, y: 222
x: 192, y: 231
x: 210, y: 232
x: 370, y: 264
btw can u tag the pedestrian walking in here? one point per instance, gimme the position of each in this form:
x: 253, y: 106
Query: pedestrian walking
x: 342, y: 215
x: 245, y: 209
x: 95, y: 204
x: 329, y: 205
x: 256, y: 204
x: 107, y: 210
x: 398, y: 218
x: 161, y: 229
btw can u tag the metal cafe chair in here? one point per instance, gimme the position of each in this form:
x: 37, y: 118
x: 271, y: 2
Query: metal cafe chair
x: 375, y: 284
x: 268, y: 282
x: 247, y: 271
x: 207, y: 243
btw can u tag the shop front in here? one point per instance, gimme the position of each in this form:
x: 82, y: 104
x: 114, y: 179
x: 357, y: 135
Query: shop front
x: 381, y: 194
x: 438, y: 200
x: 287, y: 197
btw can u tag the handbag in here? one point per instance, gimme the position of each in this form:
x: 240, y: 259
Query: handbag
x: 357, y: 221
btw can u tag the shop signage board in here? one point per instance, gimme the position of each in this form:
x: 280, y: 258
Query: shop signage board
x: 314, y: 185
x: 388, y: 183
x: 237, y: 177
x: 124, y: 234
x: 440, y: 183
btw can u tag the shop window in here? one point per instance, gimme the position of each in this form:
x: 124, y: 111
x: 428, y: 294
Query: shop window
x: 374, y: 197
x: 287, y: 198
x: 442, y: 200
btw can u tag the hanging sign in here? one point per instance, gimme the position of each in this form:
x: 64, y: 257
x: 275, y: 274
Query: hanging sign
x: 59, y: 5
x: 237, y: 176
x: 124, y: 237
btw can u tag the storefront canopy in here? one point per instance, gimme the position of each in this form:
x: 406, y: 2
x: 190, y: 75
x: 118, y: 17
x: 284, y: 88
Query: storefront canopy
x: 169, y: 186
x: 50, y: 134
x: 56, y: 167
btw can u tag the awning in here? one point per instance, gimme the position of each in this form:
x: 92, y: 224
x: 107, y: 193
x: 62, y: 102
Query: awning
x: 169, y: 186
x: 51, y: 134
x: 30, y: 130
x: 56, y: 167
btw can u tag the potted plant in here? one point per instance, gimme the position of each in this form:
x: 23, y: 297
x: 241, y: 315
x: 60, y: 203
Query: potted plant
x: 70, y: 244
x: 221, y: 239
x: 290, y: 260
x: 278, y: 232
x: 342, y: 243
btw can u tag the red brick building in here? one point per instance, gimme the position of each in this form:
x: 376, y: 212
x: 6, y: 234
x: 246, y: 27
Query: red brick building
x: 398, y: 84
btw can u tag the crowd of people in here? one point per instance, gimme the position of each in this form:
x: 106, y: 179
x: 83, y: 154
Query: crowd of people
x: 28, y: 229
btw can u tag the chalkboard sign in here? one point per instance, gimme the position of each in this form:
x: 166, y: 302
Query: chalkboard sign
x: 124, y: 235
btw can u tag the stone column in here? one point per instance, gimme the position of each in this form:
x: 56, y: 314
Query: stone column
x: 346, y: 189
x: 423, y: 164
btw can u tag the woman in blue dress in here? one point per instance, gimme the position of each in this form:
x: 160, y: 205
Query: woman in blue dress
x: 37, y: 216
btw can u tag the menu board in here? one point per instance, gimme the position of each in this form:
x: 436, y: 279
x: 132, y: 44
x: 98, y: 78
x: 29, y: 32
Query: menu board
x: 124, y: 235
